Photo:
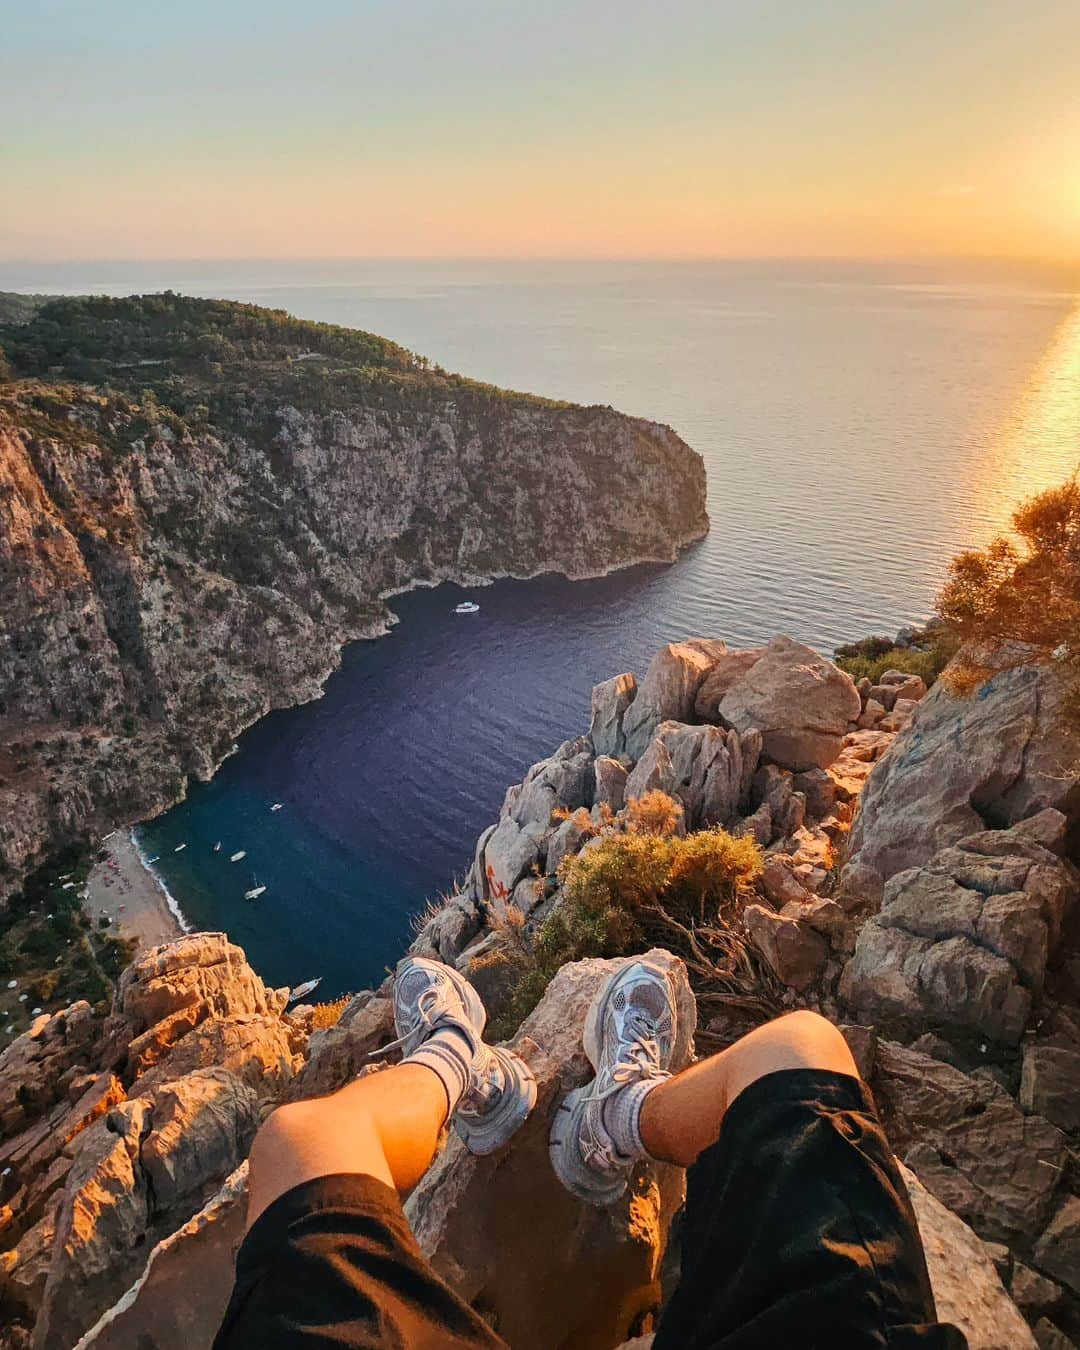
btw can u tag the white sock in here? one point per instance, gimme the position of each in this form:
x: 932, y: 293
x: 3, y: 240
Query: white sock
x: 621, y: 1114
x: 449, y: 1054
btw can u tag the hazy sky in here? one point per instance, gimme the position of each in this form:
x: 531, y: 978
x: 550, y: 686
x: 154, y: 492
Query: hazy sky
x: 320, y: 128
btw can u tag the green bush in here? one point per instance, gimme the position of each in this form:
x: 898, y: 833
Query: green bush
x: 870, y: 658
x: 618, y: 895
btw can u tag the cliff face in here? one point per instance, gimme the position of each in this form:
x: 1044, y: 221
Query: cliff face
x: 181, y: 553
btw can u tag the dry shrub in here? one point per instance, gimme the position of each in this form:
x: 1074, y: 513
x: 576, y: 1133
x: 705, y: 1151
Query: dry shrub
x: 329, y: 1014
x: 629, y: 891
x: 654, y: 813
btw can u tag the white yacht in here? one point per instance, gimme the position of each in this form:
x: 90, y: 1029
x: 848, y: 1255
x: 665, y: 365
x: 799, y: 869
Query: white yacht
x: 467, y: 607
x: 237, y: 856
x: 306, y: 988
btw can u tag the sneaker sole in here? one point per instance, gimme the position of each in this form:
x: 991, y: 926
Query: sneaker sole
x: 488, y: 1133
x: 578, y: 1178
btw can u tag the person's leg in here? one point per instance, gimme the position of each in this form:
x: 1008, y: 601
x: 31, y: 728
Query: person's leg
x: 328, y: 1255
x: 797, y: 1227
x: 387, y: 1125
x: 682, y: 1116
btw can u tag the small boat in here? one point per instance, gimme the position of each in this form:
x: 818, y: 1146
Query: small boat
x: 255, y: 891
x: 68, y: 886
x: 180, y: 848
x: 154, y: 859
x: 217, y: 847
x: 237, y: 856
x: 467, y: 607
x: 306, y: 988
x: 277, y: 806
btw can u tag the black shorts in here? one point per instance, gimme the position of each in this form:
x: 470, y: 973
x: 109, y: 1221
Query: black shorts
x: 798, y: 1232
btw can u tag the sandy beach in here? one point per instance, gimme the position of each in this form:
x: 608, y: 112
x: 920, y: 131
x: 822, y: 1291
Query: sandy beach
x: 130, y: 895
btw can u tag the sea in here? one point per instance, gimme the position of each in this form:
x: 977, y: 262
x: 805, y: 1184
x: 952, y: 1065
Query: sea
x: 860, y: 423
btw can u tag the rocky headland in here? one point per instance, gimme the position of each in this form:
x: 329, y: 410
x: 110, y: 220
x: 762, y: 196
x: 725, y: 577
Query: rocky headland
x: 904, y: 860
x: 200, y: 502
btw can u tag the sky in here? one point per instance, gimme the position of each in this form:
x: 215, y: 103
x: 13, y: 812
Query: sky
x: 602, y: 128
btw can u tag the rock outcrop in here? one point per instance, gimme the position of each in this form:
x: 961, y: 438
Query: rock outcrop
x: 963, y: 765
x: 128, y: 1127
x: 189, y: 541
x: 964, y: 940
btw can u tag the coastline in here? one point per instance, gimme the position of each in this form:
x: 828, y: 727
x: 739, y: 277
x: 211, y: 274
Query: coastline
x: 128, y: 892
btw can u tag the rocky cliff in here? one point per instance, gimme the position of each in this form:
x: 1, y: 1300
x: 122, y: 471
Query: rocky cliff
x: 955, y: 978
x: 201, y: 502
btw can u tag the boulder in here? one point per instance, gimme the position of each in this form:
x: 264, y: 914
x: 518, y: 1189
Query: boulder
x: 137, y: 1173
x: 610, y: 701
x: 338, y: 1054
x: 700, y: 766
x: 256, y: 1048
x: 1050, y: 1084
x: 730, y: 667
x: 1050, y: 1337
x: 964, y: 941
x: 963, y: 764
x: 178, y: 1301
x: 775, y: 787
x: 801, y: 703
x: 170, y: 989
x: 577, y: 1275
x: 449, y: 930
x: 610, y: 783
x: 967, y: 1289
x: 509, y: 854
x: 563, y: 781
x: 1033, y: 1293
x: 818, y: 790
x: 34, y: 1065
x: 566, y: 840
x: 667, y: 693
x: 793, y: 951
x: 1058, y: 1249
x: 969, y: 1143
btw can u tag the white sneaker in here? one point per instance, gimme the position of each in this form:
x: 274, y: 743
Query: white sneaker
x: 629, y: 1039
x: 501, y: 1091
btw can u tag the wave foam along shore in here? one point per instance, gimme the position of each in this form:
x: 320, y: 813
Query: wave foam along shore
x: 127, y: 878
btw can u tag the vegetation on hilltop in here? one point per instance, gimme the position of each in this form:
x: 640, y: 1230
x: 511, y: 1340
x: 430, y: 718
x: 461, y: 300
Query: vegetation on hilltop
x: 219, y: 361
x: 926, y: 653
x: 15, y: 308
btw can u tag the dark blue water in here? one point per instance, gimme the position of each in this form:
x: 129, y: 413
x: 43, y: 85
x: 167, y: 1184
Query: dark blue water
x: 859, y: 424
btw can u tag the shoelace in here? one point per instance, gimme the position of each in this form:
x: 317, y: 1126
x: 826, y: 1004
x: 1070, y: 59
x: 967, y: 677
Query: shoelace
x: 427, y: 1007
x: 640, y: 1059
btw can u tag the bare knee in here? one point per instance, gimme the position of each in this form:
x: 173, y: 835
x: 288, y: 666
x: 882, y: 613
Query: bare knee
x: 805, y: 1040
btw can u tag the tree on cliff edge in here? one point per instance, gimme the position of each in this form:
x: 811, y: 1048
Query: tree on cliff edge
x: 1019, y: 599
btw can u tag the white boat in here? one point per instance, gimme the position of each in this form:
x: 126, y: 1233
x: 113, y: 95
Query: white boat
x: 217, y: 847
x: 180, y: 848
x: 277, y: 806
x: 237, y: 856
x: 154, y: 859
x: 68, y: 886
x: 306, y: 988
x: 255, y: 891
x: 466, y: 607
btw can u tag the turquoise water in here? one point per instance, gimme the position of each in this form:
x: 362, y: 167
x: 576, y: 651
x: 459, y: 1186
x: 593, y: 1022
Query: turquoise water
x: 859, y: 424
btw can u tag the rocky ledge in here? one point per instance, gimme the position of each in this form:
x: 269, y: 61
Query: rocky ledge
x: 201, y: 502
x: 951, y: 963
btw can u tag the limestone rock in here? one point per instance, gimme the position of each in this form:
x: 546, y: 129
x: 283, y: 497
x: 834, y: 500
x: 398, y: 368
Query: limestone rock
x: 700, y: 766
x: 1050, y: 1337
x: 967, y: 1289
x: 965, y: 940
x: 1058, y: 1249
x: 338, y: 1054
x: 969, y: 1143
x: 509, y: 854
x: 169, y: 990
x: 794, y: 952
x: 610, y: 783
x: 801, y: 704
x: 178, y: 1301
x: 565, y: 780
x: 667, y: 693
x: 962, y: 764
x: 583, y: 1275
x: 138, y: 1172
x: 610, y: 701
x: 256, y: 1048
x: 730, y: 667
x: 1033, y: 1293
x: 1050, y: 1084
x: 566, y: 840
